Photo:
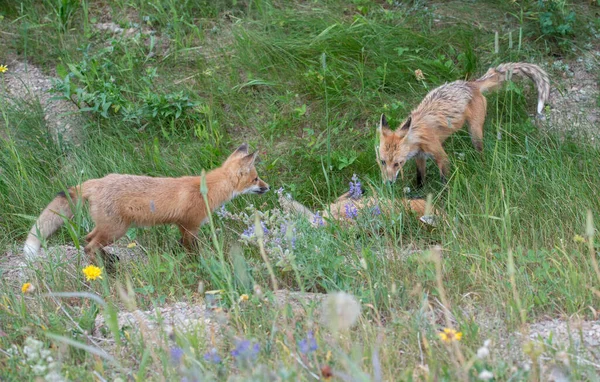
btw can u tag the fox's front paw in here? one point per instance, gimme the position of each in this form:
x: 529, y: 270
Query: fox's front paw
x: 110, y: 261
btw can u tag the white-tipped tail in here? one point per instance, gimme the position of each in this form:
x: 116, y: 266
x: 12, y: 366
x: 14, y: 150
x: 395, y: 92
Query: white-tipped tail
x: 31, y: 248
x: 540, y: 106
x: 50, y: 220
x: 495, y: 76
x: 291, y: 206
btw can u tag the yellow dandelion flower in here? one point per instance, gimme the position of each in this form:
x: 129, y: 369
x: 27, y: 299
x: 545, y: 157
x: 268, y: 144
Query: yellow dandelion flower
x: 450, y: 335
x: 419, y: 75
x: 244, y: 297
x: 3, y: 68
x: 92, y: 272
x: 27, y: 288
x: 579, y: 239
x: 132, y: 244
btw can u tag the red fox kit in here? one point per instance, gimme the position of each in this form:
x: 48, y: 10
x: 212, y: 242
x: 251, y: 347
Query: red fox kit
x: 338, y: 210
x: 444, y: 111
x: 118, y: 201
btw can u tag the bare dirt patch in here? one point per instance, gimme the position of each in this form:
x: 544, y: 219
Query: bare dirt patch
x: 13, y: 264
x: 162, y: 325
x: 23, y: 81
x: 575, y: 96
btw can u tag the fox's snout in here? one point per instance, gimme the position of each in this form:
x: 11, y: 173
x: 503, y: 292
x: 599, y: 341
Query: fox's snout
x: 260, y: 188
x: 390, y: 178
x: 390, y: 174
x: 263, y: 189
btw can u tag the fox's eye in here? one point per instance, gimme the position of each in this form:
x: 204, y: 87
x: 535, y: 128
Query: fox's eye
x: 255, y: 179
x: 383, y: 162
x: 396, y: 164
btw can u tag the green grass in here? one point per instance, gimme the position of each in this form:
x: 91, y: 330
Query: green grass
x: 305, y: 84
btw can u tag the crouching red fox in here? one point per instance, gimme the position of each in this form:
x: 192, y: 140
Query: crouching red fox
x: 117, y: 201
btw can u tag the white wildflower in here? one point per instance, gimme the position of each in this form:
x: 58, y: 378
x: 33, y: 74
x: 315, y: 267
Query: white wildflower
x: 340, y: 311
x: 486, y: 375
x: 54, y: 376
x: 39, y: 369
x: 363, y: 263
x: 32, y: 349
x: 40, y: 360
x: 483, y: 352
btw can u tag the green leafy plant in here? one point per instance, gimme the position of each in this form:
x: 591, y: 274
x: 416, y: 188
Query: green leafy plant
x: 64, y: 11
x: 95, y: 86
x: 555, y: 19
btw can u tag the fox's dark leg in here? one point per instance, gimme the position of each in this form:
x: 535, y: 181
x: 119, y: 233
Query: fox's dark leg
x: 421, y: 168
x: 100, y: 237
x: 476, y: 118
x: 90, y: 236
x: 441, y: 159
x: 188, y: 238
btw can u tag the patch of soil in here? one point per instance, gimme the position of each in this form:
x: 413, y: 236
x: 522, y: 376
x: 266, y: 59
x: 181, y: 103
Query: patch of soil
x: 26, y: 82
x: 161, y: 325
x: 574, y: 98
x: 181, y: 317
x: 579, y: 334
x: 13, y: 265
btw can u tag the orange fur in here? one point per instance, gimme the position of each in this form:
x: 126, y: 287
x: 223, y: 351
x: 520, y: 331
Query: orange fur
x: 337, y: 210
x: 442, y: 112
x: 117, y: 201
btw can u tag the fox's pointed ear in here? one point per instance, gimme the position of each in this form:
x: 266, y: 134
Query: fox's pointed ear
x: 249, y: 159
x: 407, y: 124
x: 384, y: 128
x: 383, y: 121
x: 239, y: 152
x: 243, y: 149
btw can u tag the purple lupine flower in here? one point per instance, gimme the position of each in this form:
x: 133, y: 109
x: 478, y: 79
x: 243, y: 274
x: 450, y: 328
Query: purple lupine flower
x: 264, y: 228
x: 176, y: 355
x: 308, y: 344
x: 283, y: 229
x: 222, y: 212
x: 318, y: 220
x: 351, y: 211
x: 249, y: 232
x: 245, y: 350
x: 294, y: 238
x: 355, y: 188
x: 212, y: 356
x: 376, y: 210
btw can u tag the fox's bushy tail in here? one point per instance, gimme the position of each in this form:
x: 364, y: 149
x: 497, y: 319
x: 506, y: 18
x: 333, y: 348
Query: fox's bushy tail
x: 50, y: 220
x: 291, y: 206
x: 496, y: 76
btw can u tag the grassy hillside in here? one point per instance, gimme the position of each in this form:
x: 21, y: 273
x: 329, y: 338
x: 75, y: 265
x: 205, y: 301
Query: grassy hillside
x: 169, y: 88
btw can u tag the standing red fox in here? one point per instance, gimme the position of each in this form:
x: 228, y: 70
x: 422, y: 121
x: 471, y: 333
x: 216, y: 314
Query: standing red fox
x: 118, y: 201
x: 441, y: 113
